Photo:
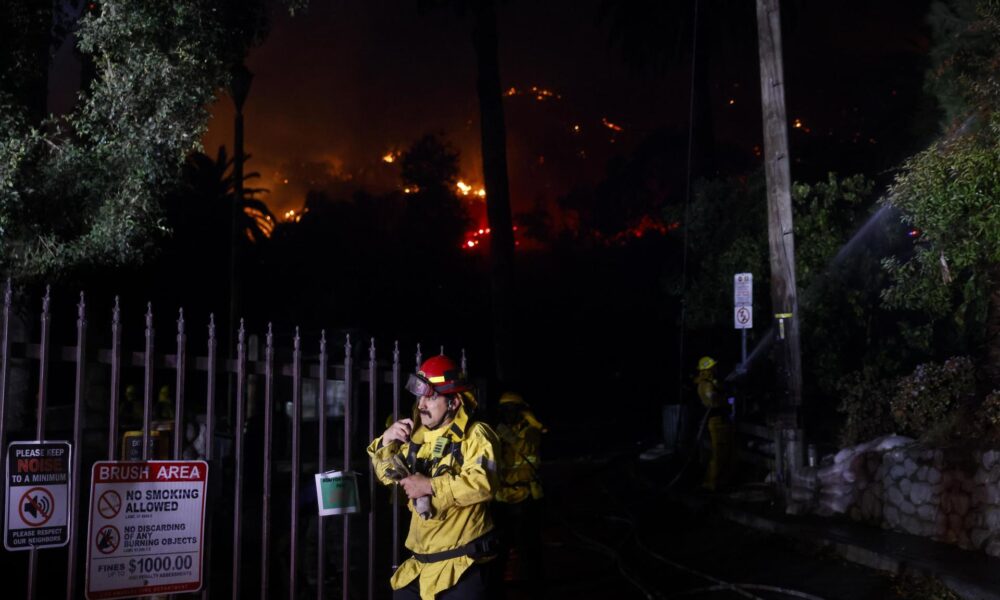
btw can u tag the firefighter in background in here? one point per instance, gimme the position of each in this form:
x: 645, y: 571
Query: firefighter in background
x: 446, y: 464
x: 518, y: 501
x: 720, y: 430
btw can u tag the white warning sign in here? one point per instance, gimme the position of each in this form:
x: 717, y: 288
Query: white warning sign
x: 37, y: 495
x: 147, y: 522
x: 743, y: 301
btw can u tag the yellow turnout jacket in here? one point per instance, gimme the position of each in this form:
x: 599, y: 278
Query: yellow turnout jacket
x: 520, y: 450
x: 708, y: 389
x: 463, y: 476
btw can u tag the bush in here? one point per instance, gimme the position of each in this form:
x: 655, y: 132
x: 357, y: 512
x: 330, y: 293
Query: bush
x: 929, y: 401
x: 988, y: 417
x: 865, y: 398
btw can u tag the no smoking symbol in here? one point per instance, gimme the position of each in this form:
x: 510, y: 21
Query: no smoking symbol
x: 743, y: 316
x: 109, y: 504
x: 36, y: 507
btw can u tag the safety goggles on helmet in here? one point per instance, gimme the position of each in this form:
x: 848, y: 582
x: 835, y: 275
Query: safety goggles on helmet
x: 438, y: 374
x: 419, y: 386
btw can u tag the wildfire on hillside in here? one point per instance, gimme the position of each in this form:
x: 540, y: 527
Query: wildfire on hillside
x: 647, y: 225
x: 538, y: 93
x: 465, y: 189
x: 292, y: 215
x: 474, y: 238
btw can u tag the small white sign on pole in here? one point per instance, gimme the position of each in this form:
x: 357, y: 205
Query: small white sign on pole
x: 743, y: 301
x: 38, y: 495
x: 147, y: 525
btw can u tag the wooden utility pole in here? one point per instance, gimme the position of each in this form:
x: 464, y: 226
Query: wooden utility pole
x: 780, y: 233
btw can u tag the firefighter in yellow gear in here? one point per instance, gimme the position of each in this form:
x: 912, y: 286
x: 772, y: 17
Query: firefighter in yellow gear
x: 518, y: 501
x: 448, y: 464
x: 720, y: 430
x: 520, y: 450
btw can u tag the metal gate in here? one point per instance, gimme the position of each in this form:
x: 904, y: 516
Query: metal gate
x: 196, y: 371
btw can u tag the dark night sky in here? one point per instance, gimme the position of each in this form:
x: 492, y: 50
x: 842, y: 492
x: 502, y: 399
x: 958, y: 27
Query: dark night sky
x: 337, y: 88
x: 348, y: 82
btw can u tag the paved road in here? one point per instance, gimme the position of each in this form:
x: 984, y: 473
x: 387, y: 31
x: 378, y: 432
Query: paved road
x: 612, y: 532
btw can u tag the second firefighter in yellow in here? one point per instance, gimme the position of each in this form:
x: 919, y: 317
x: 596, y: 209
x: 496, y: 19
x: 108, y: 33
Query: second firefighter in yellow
x: 719, y: 428
x: 520, y: 449
x: 519, y: 507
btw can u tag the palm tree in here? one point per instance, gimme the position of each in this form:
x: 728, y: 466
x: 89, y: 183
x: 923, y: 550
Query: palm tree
x: 208, y: 191
x: 199, y: 214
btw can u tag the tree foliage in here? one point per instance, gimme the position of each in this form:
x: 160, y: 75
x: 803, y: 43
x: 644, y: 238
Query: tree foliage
x: 838, y: 244
x: 85, y: 188
x: 949, y: 191
x: 964, y: 55
x: 429, y: 163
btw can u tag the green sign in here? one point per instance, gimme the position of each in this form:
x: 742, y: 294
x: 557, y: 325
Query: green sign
x: 337, y: 493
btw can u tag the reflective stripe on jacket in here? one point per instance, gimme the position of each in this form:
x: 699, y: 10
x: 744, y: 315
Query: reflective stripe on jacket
x: 464, y: 480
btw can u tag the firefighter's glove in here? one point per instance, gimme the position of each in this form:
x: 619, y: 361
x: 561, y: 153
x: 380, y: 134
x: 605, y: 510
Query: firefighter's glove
x: 397, y: 469
x: 422, y: 506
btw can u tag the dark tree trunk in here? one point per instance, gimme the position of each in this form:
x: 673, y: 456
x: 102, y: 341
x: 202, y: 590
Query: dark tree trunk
x: 494, y: 149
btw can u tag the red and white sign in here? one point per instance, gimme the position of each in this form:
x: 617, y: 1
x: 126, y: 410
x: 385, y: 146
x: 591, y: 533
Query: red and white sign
x: 147, y: 523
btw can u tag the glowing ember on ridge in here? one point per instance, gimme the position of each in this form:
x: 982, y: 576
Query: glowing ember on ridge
x: 538, y: 93
x: 464, y: 189
x: 610, y: 125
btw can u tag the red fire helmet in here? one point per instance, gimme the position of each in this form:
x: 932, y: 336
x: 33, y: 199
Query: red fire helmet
x: 439, y: 374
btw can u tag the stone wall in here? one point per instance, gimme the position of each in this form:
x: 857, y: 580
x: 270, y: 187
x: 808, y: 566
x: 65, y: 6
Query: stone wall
x: 951, y: 496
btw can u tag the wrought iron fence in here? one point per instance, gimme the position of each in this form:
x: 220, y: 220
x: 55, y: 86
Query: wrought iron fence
x: 282, y: 372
